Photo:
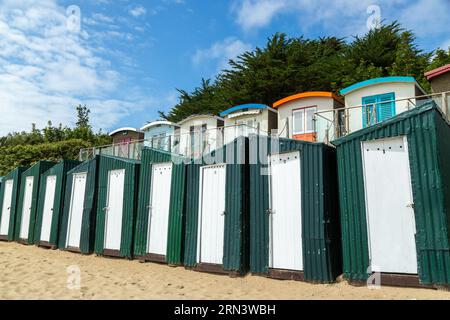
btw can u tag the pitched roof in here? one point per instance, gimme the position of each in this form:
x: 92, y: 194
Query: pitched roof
x: 437, y: 72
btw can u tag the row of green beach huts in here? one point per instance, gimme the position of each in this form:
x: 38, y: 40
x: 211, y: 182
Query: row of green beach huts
x: 377, y: 201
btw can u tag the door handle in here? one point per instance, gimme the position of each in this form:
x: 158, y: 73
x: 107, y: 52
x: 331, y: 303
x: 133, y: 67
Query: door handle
x: 411, y: 205
x: 270, y: 211
x: 223, y: 213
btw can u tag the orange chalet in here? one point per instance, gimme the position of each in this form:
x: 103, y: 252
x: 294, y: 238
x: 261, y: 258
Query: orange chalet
x: 296, y: 115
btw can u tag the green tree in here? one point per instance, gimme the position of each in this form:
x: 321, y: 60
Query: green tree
x: 51, y: 143
x: 386, y: 51
x: 83, y: 116
x: 286, y: 66
x: 441, y: 57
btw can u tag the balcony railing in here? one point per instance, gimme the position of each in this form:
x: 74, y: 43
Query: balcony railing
x: 329, y: 125
x: 190, y: 144
x: 338, y: 123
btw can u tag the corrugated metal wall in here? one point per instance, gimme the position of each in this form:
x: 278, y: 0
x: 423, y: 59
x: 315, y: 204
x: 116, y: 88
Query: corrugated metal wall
x: 15, y: 175
x: 429, y: 149
x: 236, y: 242
x: 437, y: 261
x: 192, y: 206
x: 320, y: 210
x: 87, y: 236
x: 60, y: 171
x: 176, y: 211
x: 35, y: 171
x: 131, y: 168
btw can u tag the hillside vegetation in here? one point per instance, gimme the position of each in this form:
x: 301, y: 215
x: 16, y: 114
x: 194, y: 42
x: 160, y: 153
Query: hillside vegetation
x: 51, y: 143
x: 287, y: 66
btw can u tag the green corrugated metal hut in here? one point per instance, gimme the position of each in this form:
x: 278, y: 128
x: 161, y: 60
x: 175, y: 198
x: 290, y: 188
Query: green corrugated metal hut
x: 394, y: 182
x: 51, y: 204
x: 160, y: 222
x: 28, y: 202
x: 294, y: 212
x: 9, y: 198
x: 77, y: 232
x: 217, y: 211
x: 116, y: 209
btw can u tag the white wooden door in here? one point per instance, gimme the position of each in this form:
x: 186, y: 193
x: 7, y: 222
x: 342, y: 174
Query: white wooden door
x: 212, y: 214
x: 47, y: 214
x: 159, y: 208
x: 26, y: 208
x: 6, y: 210
x: 389, y: 206
x: 76, y: 210
x: 286, y: 250
x: 114, y: 209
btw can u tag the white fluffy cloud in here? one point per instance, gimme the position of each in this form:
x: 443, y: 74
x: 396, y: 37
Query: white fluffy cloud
x: 428, y: 18
x: 138, y: 11
x: 345, y: 17
x: 45, y: 70
x: 221, y: 52
x: 258, y: 13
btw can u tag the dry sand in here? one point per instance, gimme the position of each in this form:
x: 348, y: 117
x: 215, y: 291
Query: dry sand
x: 34, y: 273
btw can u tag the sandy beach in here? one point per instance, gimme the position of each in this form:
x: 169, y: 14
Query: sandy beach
x: 35, y: 273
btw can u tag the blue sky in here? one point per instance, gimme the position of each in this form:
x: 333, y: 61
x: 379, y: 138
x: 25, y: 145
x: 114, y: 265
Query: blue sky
x: 126, y: 57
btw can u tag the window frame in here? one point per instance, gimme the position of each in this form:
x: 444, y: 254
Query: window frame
x: 305, y: 121
x: 367, y: 108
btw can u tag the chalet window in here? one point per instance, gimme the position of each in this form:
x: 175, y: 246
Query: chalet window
x: 304, y: 120
x: 378, y: 108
